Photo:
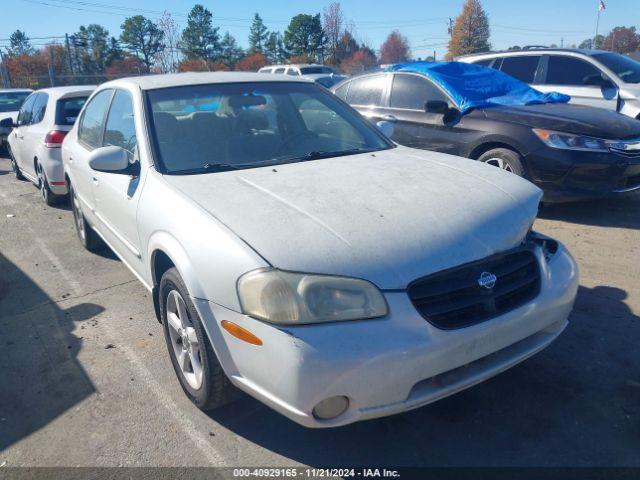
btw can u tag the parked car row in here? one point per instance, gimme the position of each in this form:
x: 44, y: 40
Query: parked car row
x: 325, y: 76
x: 293, y: 251
x: 36, y: 134
x: 570, y: 151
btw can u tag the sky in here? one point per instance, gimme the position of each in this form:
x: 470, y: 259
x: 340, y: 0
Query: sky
x: 423, y: 22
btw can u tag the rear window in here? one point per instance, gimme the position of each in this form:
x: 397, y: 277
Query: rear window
x: 68, y: 109
x: 12, y: 101
x: 315, y: 70
x: 367, y: 90
x: 485, y: 63
x: 523, y: 68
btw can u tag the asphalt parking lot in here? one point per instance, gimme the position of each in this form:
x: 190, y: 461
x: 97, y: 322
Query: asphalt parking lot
x: 85, y: 378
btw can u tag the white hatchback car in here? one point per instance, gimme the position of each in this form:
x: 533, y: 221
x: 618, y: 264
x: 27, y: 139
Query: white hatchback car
x: 595, y: 78
x: 34, y: 143
x: 295, y: 252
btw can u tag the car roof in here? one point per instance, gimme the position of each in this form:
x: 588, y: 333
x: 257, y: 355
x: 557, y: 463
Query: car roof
x: 9, y: 90
x: 533, y: 51
x: 59, y: 91
x: 151, y: 82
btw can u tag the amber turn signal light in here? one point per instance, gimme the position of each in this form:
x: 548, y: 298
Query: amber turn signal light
x: 241, y: 333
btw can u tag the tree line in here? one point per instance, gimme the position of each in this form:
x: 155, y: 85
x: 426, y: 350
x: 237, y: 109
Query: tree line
x: 144, y: 45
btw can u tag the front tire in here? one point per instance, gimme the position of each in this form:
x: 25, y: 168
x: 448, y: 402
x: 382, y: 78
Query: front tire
x: 504, y: 159
x: 14, y: 165
x: 193, y: 359
x: 88, y: 237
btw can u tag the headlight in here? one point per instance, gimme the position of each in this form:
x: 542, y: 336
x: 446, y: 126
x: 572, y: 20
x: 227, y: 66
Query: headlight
x: 296, y: 298
x: 568, y: 141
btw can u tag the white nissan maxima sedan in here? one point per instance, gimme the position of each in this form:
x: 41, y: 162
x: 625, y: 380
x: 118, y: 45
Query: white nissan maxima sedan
x: 295, y: 253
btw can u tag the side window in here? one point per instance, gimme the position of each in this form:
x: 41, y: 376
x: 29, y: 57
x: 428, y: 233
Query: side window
x: 292, y: 71
x: 24, y: 116
x: 341, y: 91
x: 120, y: 130
x: 92, y: 121
x: 412, y: 92
x: 39, y: 108
x: 367, y: 90
x: 523, y: 68
x: 485, y: 63
x: 279, y: 70
x: 569, y: 71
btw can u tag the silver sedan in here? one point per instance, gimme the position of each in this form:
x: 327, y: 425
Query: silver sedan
x: 296, y: 253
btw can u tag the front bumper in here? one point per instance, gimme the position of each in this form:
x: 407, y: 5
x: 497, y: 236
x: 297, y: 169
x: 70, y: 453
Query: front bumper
x: 566, y: 175
x: 389, y: 365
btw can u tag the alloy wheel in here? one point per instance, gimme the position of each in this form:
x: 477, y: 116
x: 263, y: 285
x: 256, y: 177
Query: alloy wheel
x: 500, y: 163
x: 42, y: 183
x: 184, y: 340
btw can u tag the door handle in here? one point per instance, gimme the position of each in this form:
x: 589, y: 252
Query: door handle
x: 389, y: 118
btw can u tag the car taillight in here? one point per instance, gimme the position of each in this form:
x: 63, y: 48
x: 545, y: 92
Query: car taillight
x: 54, y: 138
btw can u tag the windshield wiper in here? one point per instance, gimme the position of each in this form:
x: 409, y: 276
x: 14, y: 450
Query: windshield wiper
x: 318, y: 154
x: 209, y: 167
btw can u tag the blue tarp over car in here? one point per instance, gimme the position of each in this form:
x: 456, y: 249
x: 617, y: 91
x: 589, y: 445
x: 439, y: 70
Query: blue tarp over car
x: 474, y: 86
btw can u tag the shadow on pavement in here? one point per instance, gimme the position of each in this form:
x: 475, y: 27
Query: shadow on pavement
x: 40, y: 377
x: 573, y: 405
x: 621, y: 212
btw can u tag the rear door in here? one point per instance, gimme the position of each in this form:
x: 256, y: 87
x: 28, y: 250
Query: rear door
x: 369, y: 95
x: 415, y: 127
x: 580, y: 79
x: 89, y: 137
x: 116, y: 195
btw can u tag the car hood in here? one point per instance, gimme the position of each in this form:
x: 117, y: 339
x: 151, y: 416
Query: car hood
x: 570, y: 118
x: 388, y: 217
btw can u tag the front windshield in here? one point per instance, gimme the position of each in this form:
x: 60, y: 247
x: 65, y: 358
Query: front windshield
x: 218, y: 127
x: 314, y: 70
x: 627, y: 69
x: 12, y: 101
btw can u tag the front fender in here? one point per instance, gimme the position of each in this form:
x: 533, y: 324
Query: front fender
x: 170, y: 246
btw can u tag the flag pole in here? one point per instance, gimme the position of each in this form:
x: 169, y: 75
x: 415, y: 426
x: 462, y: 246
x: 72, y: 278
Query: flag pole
x: 595, y: 39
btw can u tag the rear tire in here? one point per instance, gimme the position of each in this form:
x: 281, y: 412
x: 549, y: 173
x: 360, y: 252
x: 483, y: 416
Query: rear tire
x: 87, y: 235
x: 504, y: 159
x: 48, y: 196
x: 14, y: 165
x: 196, y: 365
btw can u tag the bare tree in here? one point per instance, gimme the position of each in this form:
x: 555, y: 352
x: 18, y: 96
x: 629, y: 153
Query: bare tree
x: 333, y: 25
x: 169, y: 58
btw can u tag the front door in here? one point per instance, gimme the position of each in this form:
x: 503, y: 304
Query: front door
x: 416, y: 128
x: 581, y: 80
x: 16, y: 137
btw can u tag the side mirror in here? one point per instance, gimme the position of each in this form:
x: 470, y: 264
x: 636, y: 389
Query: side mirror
x: 452, y: 117
x: 436, y: 106
x: 7, y: 123
x: 387, y: 128
x: 110, y: 160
